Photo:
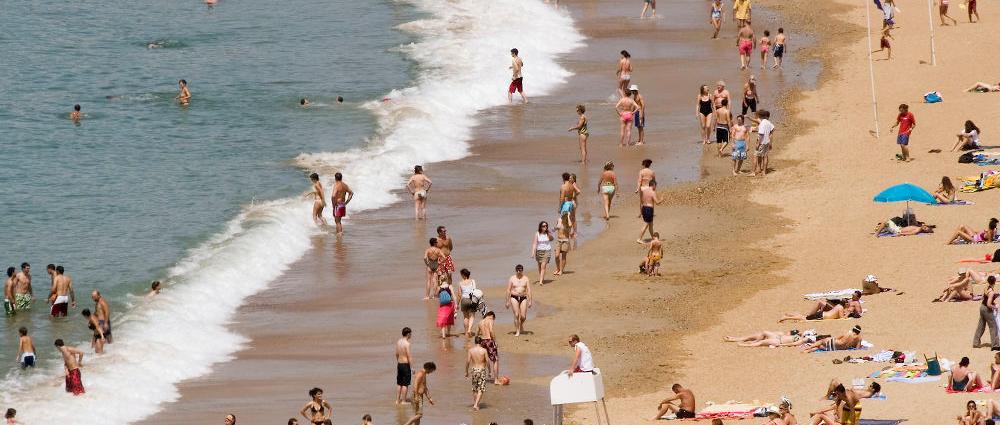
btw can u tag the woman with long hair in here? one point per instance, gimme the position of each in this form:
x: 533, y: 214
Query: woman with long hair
x: 945, y: 194
x: 968, y: 139
x: 541, y: 247
x: 703, y: 110
x: 607, y: 185
x: 965, y: 234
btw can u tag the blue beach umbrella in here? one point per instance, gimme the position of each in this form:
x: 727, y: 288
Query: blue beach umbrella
x: 905, y: 192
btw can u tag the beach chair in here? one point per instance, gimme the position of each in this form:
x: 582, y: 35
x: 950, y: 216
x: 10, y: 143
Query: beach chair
x: 583, y: 387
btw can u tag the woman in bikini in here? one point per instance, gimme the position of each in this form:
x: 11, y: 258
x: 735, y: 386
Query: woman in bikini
x: 966, y: 235
x: 824, y: 310
x: 519, y: 298
x: 624, y: 73
x: 749, y: 96
x: 607, y: 185
x: 958, y: 289
x: 716, y: 17
x: 703, y: 110
x: 625, y: 110
x: 317, y: 410
x: 432, y: 259
x: 945, y: 194
x: 765, y: 46
x: 581, y: 131
x: 943, y: 13
x: 541, y: 248
x: 319, y: 202
x: 768, y: 338
x: 468, y: 305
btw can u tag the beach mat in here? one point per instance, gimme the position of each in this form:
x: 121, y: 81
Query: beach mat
x: 955, y: 202
x: 880, y: 421
x: 831, y: 295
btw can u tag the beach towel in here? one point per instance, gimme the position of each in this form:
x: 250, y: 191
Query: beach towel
x: 831, y: 295
x: 984, y: 181
x: 865, y: 345
x: 977, y: 390
x: 880, y: 421
x: 729, y: 410
x: 932, y: 97
x: 955, y: 202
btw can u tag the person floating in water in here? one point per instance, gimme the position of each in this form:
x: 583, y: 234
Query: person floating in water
x: 304, y: 102
x: 340, y: 99
x: 184, y: 97
x: 76, y: 114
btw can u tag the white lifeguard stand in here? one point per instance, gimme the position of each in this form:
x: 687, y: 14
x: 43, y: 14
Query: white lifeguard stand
x: 583, y: 387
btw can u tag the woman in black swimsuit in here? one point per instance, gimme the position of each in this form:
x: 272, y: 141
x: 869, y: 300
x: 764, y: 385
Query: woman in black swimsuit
x: 750, y: 96
x: 317, y: 410
x: 704, y: 112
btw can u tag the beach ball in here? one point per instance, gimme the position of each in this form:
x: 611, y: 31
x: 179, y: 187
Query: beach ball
x: 504, y: 380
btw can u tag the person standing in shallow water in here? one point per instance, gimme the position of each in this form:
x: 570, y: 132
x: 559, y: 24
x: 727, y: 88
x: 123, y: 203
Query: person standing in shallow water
x: 72, y: 360
x: 317, y: 410
x: 342, y: 195
x: 319, y: 200
x: 184, y: 96
x: 607, y: 186
x: 418, y: 186
x: 403, y: 371
x: 517, y: 80
x: 582, y: 132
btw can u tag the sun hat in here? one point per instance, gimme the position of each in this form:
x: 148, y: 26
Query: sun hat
x: 634, y: 87
x: 871, y: 278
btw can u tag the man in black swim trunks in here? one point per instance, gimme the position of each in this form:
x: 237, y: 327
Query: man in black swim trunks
x: 648, y: 198
x: 403, y: 372
x: 685, y: 409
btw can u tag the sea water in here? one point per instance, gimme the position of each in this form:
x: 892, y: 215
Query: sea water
x: 207, y: 198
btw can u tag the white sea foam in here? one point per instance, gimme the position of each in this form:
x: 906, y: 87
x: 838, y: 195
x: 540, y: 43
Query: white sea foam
x: 463, y: 59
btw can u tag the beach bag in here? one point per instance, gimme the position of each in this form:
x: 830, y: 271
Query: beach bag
x: 932, y: 97
x: 965, y: 158
x: 933, y: 365
x: 444, y: 297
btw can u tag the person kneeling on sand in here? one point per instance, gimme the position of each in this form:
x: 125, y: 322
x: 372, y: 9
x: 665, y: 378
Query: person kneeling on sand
x: 823, y: 310
x: 654, y: 255
x: 963, y: 379
x: 847, y: 341
x: 846, y: 409
x: 685, y: 407
x: 768, y: 339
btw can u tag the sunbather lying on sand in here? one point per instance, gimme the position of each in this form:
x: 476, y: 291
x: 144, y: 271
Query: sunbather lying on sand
x: 984, y: 87
x: 828, y: 310
x: 847, y: 341
x: 963, y: 379
x: 967, y: 235
x: 959, y: 288
x: 873, y: 390
x: 769, y: 339
x: 895, y: 230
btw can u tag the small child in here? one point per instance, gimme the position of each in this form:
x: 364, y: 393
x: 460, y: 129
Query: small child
x: 765, y: 45
x: 884, y: 43
x: 764, y: 131
x: 779, y: 48
x: 366, y: 420
x: 654, y: 255
x: 740, y: 145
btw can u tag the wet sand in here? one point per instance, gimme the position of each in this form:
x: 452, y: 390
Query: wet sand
x: 331, y: 320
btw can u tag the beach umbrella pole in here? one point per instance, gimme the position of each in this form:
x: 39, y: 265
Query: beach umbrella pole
x: 930, y: 23
x: 871, y: 66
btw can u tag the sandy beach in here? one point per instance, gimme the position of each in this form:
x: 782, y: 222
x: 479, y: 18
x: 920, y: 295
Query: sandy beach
x: 740, y: 251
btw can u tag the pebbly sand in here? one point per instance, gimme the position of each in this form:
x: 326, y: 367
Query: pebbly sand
x: 739, y: 251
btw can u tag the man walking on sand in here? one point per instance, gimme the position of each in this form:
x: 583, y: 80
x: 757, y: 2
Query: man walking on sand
x: 639, y: 120
x: 420, y: 391
x: 906, y: 123
x: 342, y: 195
x: 685, y: 409
x: 403, y: 360
x: 418, y: 186
x: 745, y: 43
x: 487, y: 341
x: 72, y: 360
x: 647, y: 199
x: 62, y: 295
x: 446, y: 244
x: 517, y: 80
x: 475, y: 363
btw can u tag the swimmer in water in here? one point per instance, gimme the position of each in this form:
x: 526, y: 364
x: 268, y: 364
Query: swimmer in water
x: 319, y: 202
x: 184, y: 97
x: 304, y: 102
x: 76, y: 114
x: 340, y: 99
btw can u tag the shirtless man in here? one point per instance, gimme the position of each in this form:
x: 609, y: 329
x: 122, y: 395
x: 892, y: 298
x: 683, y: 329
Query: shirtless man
x: 853, y: 307
x: 9, y: 308
x: 154, y: 290
x: 446, y: 244
x: 403, y: 371
x: 780, y: 41
x: 475, y: 363
x: 723, y: 125
x: 844, y: 403
x: 647, y: 199
x: 624, y: 73
x: 685, y: 407
x: 488, y: 341
x: 567, y: 200
x: 516, y: 79
x: 646, y: 175
x: 72, y: 360
x: 23, y: 293
x: 432, y: 262
x: 768, y: 338
x: 640, y: 116
x: 418, y: 186
x: 62, y: 296
x: 99, y: 338
x: 745, y: 43
x: 721, y: 92
x: 654, y: 255
x: 184, y: 97
x: 319, y: 200
x: 519, y: 298
x: 76, y: 114
x: 103, y: 313
x: 420, y: 391
x: 342, y: 195
x: 823, y: 310
x: 25, y: 349
x: 852, y: 339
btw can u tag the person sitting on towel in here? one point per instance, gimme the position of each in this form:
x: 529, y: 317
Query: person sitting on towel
x: 848, y: 341
x: 686, y: 400
x: 873, y: 390
x: 963, y: 379
x: 823, y: 310
x: 846, y: 409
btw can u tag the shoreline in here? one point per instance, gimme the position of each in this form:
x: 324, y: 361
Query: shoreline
x: 497, y: 163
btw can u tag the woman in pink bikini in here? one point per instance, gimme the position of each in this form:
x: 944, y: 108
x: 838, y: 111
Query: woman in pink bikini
x: 625, y: 109
x: 765, y: 45
x: 966, y: 235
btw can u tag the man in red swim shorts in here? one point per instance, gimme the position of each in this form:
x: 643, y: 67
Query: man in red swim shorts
x: 72, y: 359
x: 745, y: 43
x: 516, y: 79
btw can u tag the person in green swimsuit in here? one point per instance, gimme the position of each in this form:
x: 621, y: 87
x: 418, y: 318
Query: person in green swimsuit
x: 607, y: 186
x: 581, y: 131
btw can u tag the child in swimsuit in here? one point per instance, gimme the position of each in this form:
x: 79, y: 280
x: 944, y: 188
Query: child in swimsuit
x: 765, y: 46
x: 740, y: 145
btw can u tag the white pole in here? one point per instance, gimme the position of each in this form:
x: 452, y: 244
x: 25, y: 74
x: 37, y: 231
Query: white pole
x: 930, y: 23
x: 871, y: 67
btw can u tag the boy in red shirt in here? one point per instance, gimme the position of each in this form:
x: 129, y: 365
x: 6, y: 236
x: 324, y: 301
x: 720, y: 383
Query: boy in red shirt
x: 906, y: 123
